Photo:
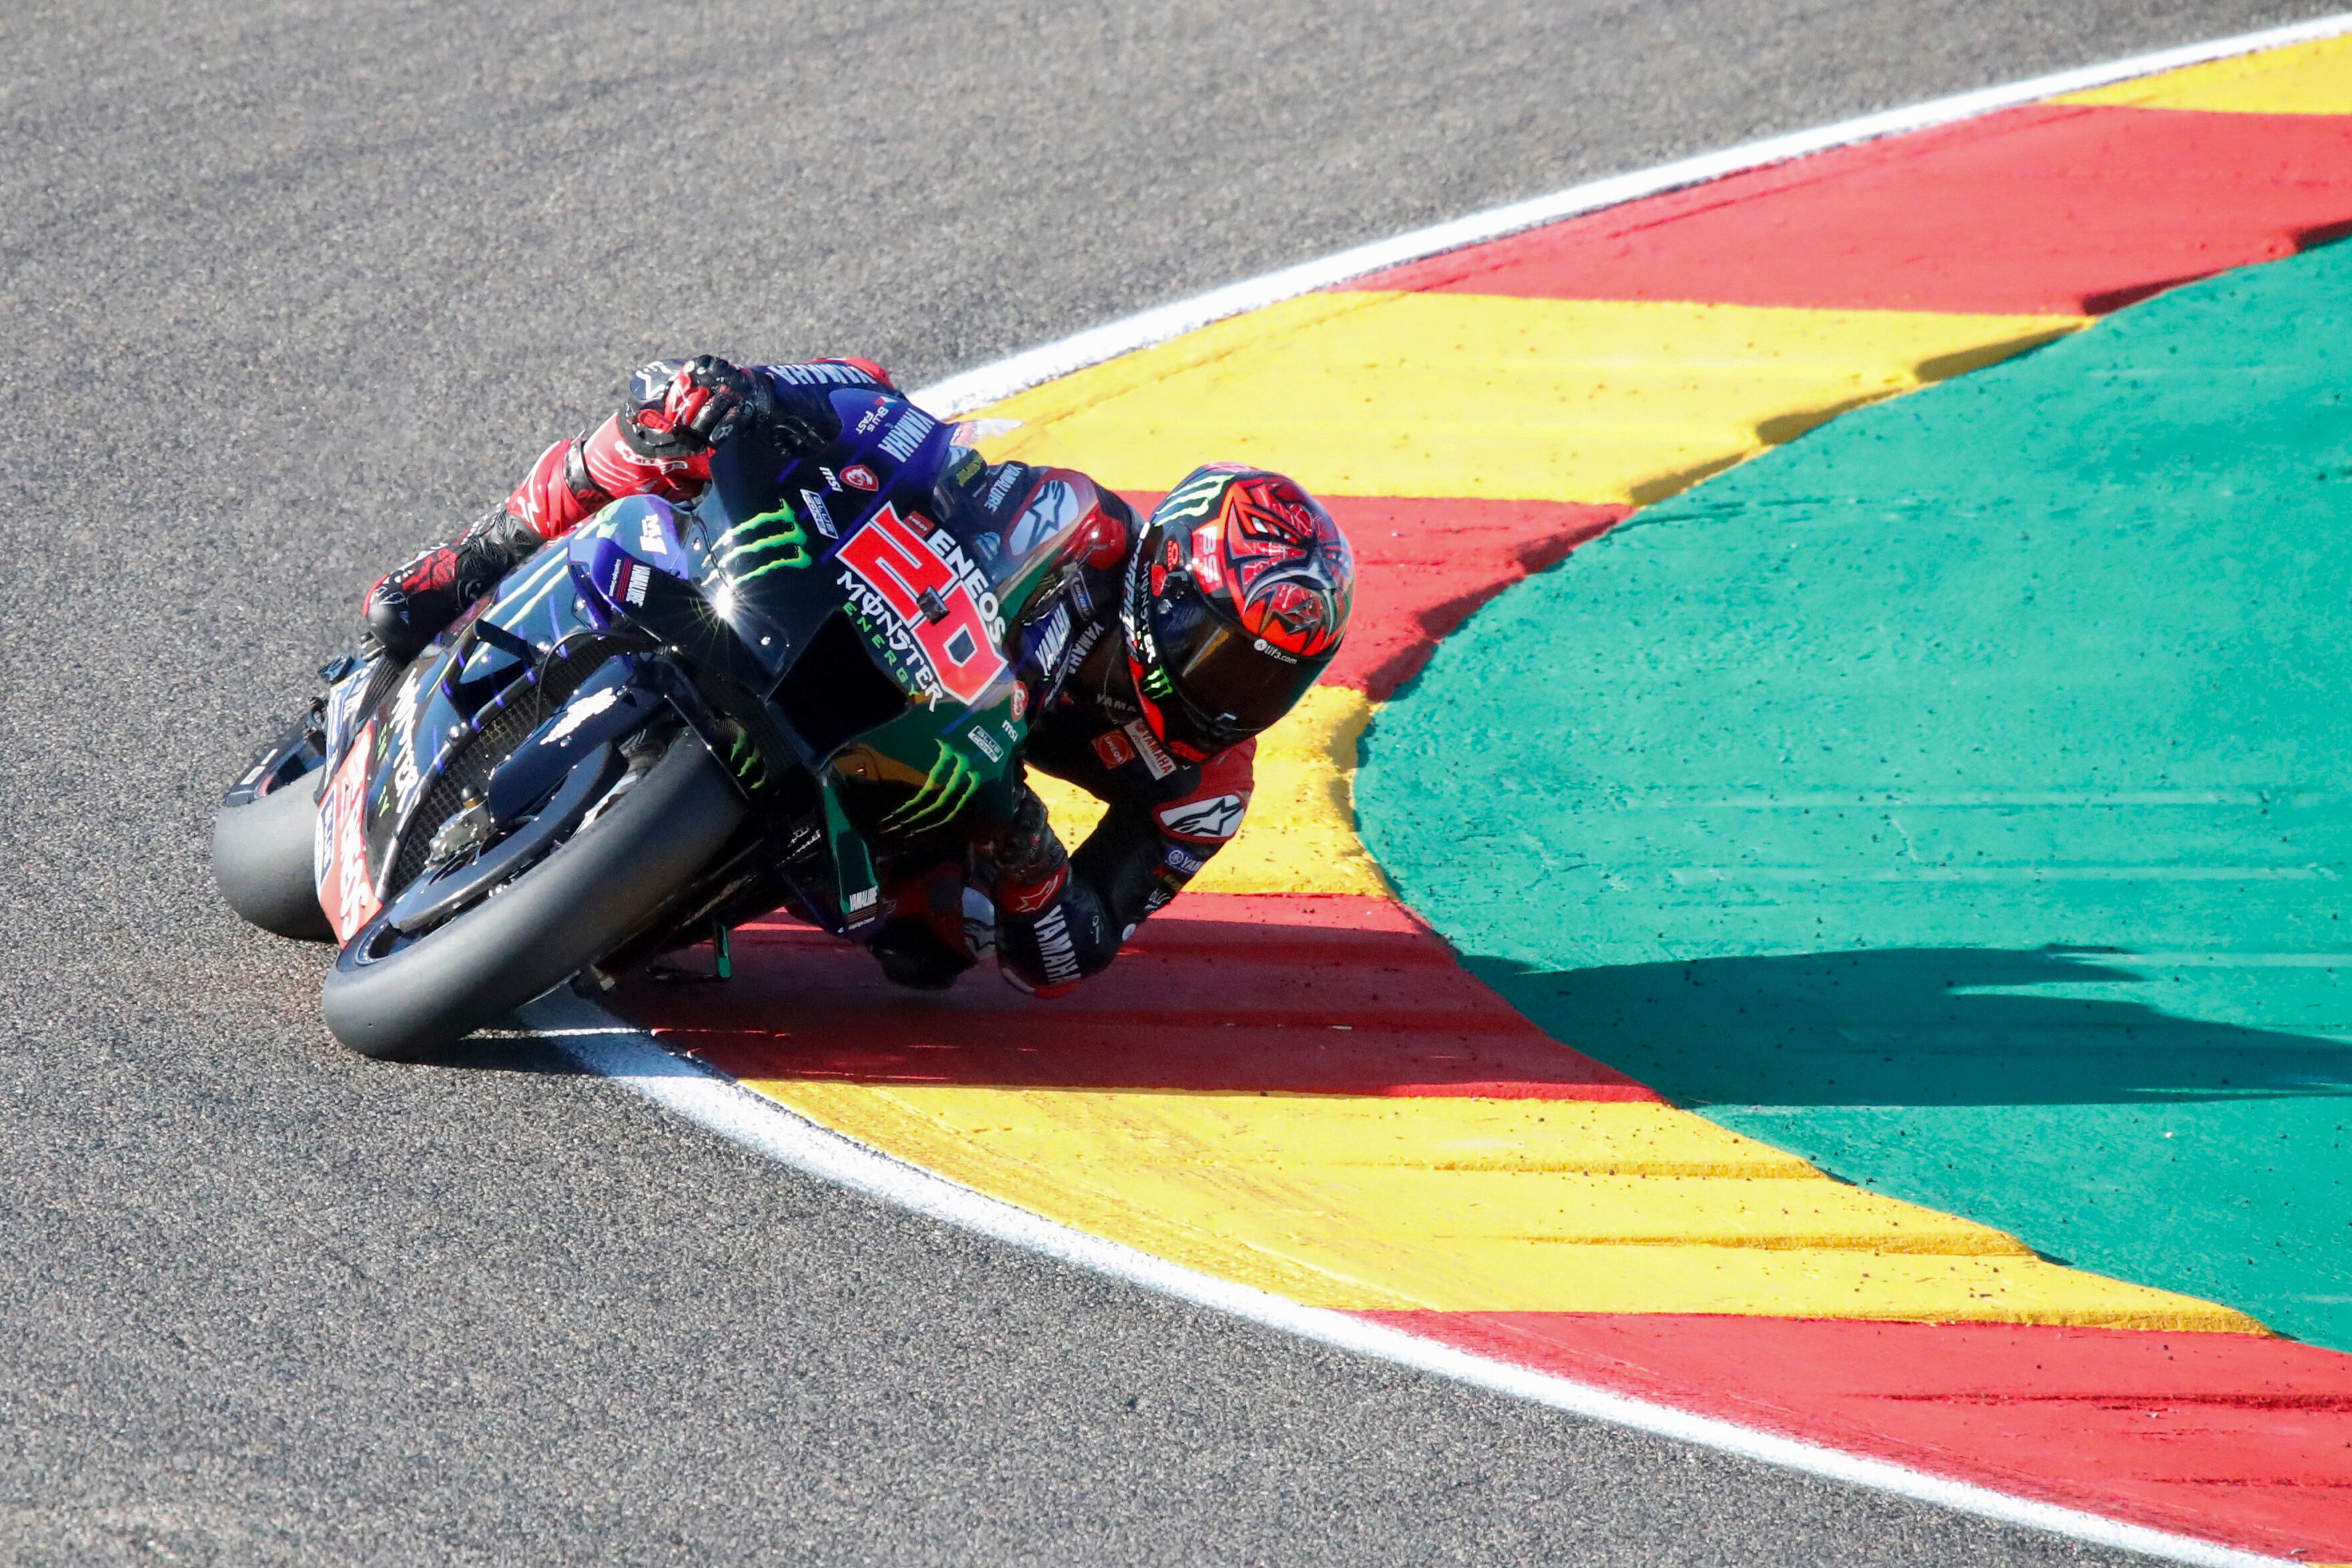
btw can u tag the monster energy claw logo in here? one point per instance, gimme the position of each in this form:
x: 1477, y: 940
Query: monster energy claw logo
x: 754, y: 538
x: 950, y: 785
x: 1195, y: 497
x: 744, y: 760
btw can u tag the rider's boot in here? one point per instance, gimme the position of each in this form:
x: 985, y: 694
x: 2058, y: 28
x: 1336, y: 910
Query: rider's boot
x: 924, y: 943
x: 410, y: 605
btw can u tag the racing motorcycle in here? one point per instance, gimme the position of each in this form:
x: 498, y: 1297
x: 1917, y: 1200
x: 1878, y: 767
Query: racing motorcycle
x: 677, y: 718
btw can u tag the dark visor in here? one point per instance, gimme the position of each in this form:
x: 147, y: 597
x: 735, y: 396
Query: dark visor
x: 1226, y: 682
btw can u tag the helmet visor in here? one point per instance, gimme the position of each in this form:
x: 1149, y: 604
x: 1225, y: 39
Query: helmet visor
x: 1227, y: 681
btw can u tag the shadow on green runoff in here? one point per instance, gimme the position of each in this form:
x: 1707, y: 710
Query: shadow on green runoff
x: 1958, y: 796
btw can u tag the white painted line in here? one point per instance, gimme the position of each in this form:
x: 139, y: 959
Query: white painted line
x: 606, y: 1045
x: 969, y: 389
x: 602, y: 1044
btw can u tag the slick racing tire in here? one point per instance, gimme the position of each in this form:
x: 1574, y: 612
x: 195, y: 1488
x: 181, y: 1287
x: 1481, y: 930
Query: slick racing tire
x: 261, y: 860
x: 544, y: 926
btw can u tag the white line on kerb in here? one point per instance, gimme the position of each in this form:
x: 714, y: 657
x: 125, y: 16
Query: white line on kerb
x: 969, y: 389
x: 590, y: 1036
x: 606, y: 1045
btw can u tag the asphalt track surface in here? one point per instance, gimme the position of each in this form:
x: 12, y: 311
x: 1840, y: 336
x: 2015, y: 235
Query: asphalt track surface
x: 285, y: 289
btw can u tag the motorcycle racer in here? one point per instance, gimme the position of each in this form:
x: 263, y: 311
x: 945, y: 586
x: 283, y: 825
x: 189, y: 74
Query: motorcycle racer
x: 1198, y: 627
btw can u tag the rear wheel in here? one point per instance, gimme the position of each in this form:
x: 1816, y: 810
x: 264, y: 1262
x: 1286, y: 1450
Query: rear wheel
x: 396, y: 995
x: 261, y: 858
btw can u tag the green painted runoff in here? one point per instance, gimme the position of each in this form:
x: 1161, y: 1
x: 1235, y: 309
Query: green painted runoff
x: 1960, y: 796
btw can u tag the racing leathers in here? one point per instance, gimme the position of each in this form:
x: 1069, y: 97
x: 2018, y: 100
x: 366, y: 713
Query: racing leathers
x: 1052, y: 918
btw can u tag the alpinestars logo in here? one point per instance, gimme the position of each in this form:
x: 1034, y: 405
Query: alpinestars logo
x: 1209, y: 821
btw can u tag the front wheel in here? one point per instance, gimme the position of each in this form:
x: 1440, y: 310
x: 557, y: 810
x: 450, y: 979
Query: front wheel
x: 390, y: 996
x: 261, y: 857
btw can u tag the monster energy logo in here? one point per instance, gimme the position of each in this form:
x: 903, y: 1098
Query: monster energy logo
x: 950, y: 785
x: 744, y: 760
x: 1193, y: 497
x: 748, y: 541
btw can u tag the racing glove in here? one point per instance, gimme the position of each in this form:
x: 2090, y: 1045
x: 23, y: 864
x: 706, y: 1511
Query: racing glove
x: 680, y: 408
x: 1052, y: 930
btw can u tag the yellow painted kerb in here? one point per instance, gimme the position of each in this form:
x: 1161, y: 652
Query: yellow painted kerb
x: 2308, y: 78
x: 1474, y: 396
x: 1365, y: 1203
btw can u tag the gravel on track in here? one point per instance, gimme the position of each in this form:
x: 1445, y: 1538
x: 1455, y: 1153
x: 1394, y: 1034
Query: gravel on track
x: 288, y: 289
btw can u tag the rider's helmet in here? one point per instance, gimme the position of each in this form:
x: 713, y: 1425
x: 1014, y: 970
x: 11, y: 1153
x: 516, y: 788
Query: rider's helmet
x: 1236, y: 598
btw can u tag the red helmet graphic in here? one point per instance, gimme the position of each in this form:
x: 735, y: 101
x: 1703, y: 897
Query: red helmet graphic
x: 1236, y: 598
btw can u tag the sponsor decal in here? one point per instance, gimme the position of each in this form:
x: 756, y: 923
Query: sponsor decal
x: 1055, y: 948
x: 892, y: 636
x: 863, y: 898
x: 744, y: 760
x: 832, y: 479
x: 1213, y: 820
x: 634, y: 580
x: 1113, y: 749
x: 404, y: 778
x: 919, y: 578
x: 1147, y: 747
x: 989, y: 544
x: 1054, y: 640
x: 871, y: 419
x: 1081, y: 648
x: 818, y: 375
x: 1208, y: 564
x: 1134, y: 616
x: 988, y: 744
x: 410, y: 710
x: 943, y: 795
x: 971, y: 468
x: 1183, y: 863
x: 352, y: 896
x: 858, y: 477
x: 1195, y: 497
x: 1029, y: 900
x: 649, y: 536
x: 651, y: 384
x: 908, y: 434
x: 819, y: 513
x: 1051, y: 510
x: 772, y: 541
x: 584, y: 710
x: 1002, y: 490
x: 344, y: 711
x: 979, y: 925
x: 1019, y: 711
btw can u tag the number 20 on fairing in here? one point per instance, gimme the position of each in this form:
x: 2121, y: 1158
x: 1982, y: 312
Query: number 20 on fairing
x: 903, y: 566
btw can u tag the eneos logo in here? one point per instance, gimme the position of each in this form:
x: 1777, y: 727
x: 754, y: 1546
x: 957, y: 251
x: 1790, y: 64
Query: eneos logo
x: 933, y: 593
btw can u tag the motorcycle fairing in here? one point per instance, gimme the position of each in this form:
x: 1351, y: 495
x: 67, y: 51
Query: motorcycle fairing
x: 473, y: 674
x: 712, y: 606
